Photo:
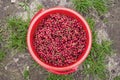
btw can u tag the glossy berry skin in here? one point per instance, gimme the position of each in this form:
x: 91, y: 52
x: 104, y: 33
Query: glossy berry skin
x: 59, y: 40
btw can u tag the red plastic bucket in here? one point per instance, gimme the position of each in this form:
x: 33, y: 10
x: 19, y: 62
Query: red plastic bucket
x: 32, y: 27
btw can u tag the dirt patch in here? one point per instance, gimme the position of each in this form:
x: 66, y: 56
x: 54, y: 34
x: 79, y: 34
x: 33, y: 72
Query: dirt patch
x: 113, y: 25
x: 56, y: 3
x: 113, y: 29
x: 113, y: 66
x: 38, y: 73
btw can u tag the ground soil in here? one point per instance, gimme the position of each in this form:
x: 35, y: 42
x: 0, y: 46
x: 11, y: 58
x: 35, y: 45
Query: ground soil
x: 12, y: 67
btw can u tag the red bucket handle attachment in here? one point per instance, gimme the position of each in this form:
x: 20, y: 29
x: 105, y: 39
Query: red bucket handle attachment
x: 63, y: 72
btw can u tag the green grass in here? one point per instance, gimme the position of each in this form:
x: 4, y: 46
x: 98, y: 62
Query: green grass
x: 39, y: 7
x: 95, y: 63
x: 35, y: 64
x: 26, y: 74
x: 59, y: 77
x: 84, y: 6
x: 105, y: 20
x: 2, y: 55
x: 25, y: 5
x: 18, y: 29
x: 117, y: 78
x: 0, y: 37
x: 2, y: 52
x: 100, y: 5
